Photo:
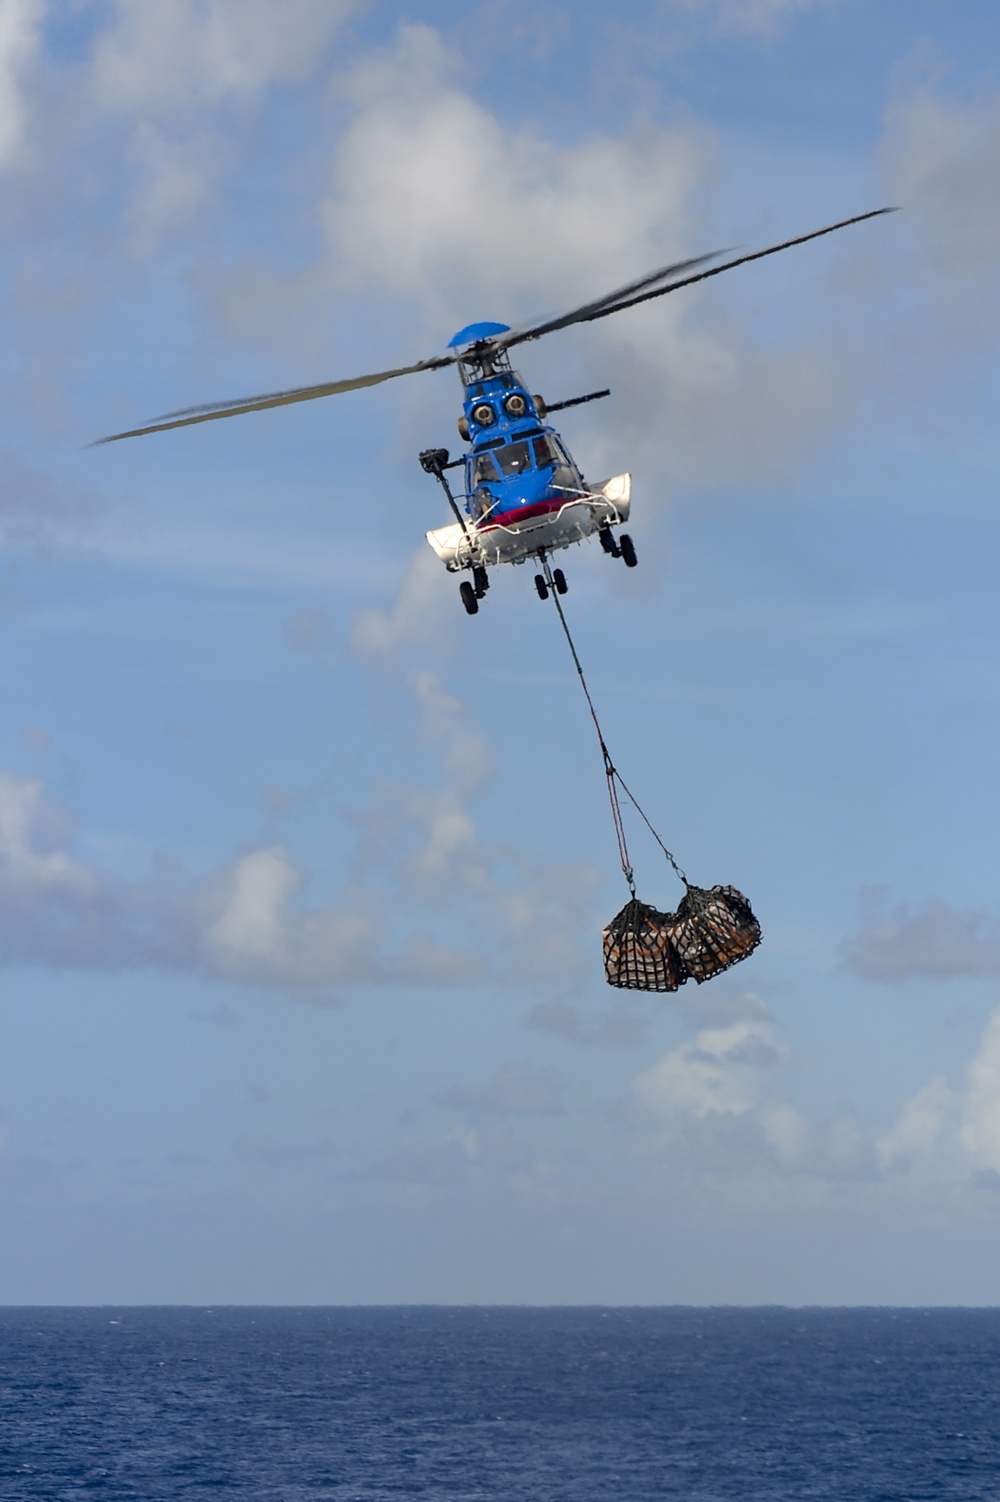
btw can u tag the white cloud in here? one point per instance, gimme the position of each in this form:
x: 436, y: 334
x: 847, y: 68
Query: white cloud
x: 722, y: 1072
x: 939, y: 155
x: 933, y: 940
x: 245, y: 925
x: 717, y: 1112
x: 20, y: 31
x: 948, y: 1133
x: 980, y: 1130
x: 170, y: 71
x: 251, y: 923
x: 436, y: 198
x: 384, y: 638
x: 254, y: 934
x: 920, y: 1126
x: 439, y: 201
x: 425, y: 837
x: 30, y: 866
x: 175, y: 55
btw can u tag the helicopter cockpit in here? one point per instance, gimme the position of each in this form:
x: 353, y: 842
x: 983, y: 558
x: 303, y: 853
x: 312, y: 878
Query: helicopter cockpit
x: 541, y: 452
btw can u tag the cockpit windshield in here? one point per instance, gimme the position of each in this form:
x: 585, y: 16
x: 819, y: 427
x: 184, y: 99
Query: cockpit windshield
x: 517, y: 458
x: 514, y: 459
x: 547, y: 452
x: 484, y: 470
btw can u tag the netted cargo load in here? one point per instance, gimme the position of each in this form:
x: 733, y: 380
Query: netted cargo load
x: 646, y: 950
x: 713, y: 929
x: 638, y: 954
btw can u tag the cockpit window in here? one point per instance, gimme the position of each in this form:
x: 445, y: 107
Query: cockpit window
x: 514, y: 459
x: 484, y: 470
x: 546, y: 452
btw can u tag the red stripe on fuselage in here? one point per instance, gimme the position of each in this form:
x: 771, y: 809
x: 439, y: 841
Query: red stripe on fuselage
x: 521, y: 514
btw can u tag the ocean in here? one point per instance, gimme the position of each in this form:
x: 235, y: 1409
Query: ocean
x: 709, y: 1405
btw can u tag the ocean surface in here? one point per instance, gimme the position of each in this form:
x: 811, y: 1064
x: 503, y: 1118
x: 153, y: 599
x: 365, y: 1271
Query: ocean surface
x: 711, y: 1405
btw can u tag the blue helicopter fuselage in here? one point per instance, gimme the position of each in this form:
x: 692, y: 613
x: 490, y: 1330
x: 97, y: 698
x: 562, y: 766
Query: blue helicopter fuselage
x: 518, y: 467
x: 524, y: 495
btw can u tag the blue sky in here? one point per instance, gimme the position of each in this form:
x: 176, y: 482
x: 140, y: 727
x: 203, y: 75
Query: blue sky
x: 303, y: 872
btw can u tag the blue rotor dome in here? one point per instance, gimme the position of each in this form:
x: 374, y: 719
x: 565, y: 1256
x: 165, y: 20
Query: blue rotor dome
x: 476, y: 331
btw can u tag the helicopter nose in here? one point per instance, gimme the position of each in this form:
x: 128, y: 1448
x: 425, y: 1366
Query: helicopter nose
x: 534, y: 487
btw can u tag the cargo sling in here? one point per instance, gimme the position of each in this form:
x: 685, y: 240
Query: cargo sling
x: 645, y: 950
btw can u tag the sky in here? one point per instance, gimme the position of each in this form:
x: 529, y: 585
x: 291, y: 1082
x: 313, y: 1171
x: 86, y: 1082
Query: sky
x: 303, y: 871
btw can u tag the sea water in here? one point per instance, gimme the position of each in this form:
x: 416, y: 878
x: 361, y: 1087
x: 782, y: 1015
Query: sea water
x: 503, y: 1403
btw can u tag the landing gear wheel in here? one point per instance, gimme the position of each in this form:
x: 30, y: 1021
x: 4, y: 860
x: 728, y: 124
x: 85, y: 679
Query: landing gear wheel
x: 608, y: 542
x: 559, y: 580
x: 469, y: 600
x: 541, y: 586
x: 480, y: 581
x: 627, y: 547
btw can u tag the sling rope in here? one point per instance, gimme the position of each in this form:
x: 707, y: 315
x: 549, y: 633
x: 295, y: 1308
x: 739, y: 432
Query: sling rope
x: 613, y: 776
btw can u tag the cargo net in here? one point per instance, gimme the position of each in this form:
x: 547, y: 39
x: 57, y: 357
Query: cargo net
x: 646, y: 950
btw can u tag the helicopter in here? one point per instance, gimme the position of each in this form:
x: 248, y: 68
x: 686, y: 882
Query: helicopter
x: 524, y: 497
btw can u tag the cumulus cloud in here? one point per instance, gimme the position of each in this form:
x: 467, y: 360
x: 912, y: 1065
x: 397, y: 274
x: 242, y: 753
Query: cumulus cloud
x: 245, y: 925
x: 251, y: 932
x: 425, y: 836
x: 386, y: 638
x: 420, y: 149
x: 935, y: 940
x: 697, y: 396
x: 951, y: 1133
x: 175, y: 55
x: 20, y: 31
x: 53, y: 907
x: 166, y: 70
x: 938, y: 155
x: 423, y: 869
x: 717, y: 1109
x: 720, y: 1072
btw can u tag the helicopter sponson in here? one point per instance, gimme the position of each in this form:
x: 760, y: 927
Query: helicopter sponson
x: 565, y: 515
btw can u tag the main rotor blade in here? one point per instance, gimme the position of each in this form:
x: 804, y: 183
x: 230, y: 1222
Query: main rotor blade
x: 211, y: 410
x: 610, y: 300
x: 628, y: 298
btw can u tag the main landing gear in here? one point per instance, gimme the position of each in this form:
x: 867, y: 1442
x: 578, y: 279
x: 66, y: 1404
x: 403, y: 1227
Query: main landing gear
x: 473, y: 593
x: 558, y: 580
x: 620, y: 547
